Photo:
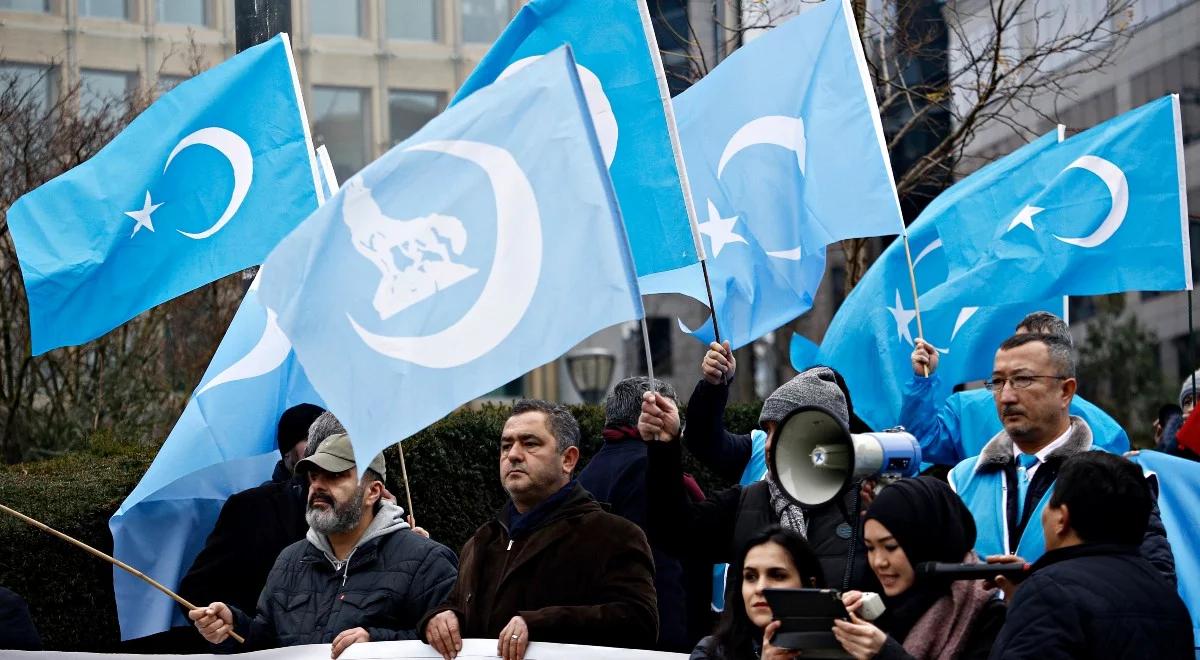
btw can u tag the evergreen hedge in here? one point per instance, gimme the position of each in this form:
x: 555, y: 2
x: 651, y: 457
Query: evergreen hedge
x: 453, y: 468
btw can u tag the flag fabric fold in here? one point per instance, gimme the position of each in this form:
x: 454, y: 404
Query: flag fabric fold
x: 1101, y: 212
x: 871, y: 338
x: 223, y: 443
x: 618, y: 64
x: 1178, y: 487
x: 484, y: 246
x: 782, y: 161
x: 203, y: 183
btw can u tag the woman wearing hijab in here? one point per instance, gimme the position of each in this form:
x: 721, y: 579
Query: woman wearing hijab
x: 772, y: 559
x: 910, y: 522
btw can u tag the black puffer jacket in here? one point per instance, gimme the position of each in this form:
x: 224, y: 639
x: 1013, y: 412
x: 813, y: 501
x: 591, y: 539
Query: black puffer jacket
x: 392, y: 577
x: 1095, y: 601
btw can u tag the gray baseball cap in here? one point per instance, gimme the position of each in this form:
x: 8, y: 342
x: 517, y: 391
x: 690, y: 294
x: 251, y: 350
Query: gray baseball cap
x: 335, y: 454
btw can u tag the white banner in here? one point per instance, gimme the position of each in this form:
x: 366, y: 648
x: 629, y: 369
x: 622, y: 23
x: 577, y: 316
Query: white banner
x: 472, y: 648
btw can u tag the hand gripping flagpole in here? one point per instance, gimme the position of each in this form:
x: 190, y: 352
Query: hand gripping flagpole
x: 664, y: 95
x: 115, y: 562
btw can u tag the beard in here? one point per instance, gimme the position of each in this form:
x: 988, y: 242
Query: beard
x: 339, y: 517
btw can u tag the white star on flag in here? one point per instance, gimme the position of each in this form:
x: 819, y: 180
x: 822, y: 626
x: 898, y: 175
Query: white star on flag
x: 142, y: 215
x: 719, y: 230
x: 903, y: 318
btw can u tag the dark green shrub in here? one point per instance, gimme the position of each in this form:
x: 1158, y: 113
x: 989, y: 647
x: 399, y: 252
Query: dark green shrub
x: 453, y: 467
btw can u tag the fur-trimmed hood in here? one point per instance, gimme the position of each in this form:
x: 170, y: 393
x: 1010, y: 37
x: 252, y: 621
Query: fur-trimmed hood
x: 998, y: 452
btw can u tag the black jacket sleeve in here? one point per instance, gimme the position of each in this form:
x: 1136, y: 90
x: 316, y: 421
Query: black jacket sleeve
x: 430, y: 586
x: 705, y: 435
x: 1155, y: 547
x: 1041, y: 624
x: 698, y: 530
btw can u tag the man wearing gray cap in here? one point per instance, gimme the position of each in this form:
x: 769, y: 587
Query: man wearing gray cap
x: 715, y: 530
x: 360, y: 574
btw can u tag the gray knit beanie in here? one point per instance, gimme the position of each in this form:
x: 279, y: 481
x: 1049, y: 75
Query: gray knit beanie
x: 624, y: 403
x: 812, y: 387
x: 1185, y: 392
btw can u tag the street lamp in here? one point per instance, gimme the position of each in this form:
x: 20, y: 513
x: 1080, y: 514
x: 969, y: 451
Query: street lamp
x: 591, y: 371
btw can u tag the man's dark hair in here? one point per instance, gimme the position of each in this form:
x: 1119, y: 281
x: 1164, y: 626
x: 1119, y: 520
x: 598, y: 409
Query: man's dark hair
x: 624, y: 403
x: 1107, y: 497
x: 1045, y: 323
x: 1061, y: 355
x: 293, y: 425
x: 562, y: 423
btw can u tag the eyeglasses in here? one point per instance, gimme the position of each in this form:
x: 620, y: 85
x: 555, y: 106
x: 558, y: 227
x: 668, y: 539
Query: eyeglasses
x: 996, y: 385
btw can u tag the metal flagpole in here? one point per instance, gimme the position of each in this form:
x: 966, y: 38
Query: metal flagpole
x: 673, y: 131
x: 646, y: 347
x: 912, y: 278
x: 1191, y: 345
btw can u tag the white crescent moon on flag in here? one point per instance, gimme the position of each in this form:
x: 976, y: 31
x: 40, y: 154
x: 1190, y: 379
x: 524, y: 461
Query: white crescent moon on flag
x: 1118, y: 190
x: 511, y: 284
x: 779, y: 130
x: 598, y: 104
x: 266, y: 356
x: 237, y: 152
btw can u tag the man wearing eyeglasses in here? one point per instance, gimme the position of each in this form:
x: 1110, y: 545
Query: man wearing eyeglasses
x: 957, y: 427
x: 1009, y: 483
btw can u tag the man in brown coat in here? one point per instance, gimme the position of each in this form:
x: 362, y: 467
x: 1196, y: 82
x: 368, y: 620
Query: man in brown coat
x: 553, y: 566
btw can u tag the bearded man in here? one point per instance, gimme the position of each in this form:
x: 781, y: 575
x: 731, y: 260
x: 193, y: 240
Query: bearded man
x: 360, y: 575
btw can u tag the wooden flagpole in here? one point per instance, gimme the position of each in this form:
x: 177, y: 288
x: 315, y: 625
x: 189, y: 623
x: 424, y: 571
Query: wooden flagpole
x: 115, y: 562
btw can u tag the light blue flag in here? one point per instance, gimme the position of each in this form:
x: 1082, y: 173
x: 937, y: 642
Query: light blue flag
x: 871, y: 338
x: 1179, y: 490
x: 1101, y: 212
x: 203, y: 183
x: 486, y: 245
x: 783, y: 160
x: 222, y: 444
x: 619, y: 67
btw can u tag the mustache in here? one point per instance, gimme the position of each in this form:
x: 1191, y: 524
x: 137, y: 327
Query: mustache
x: 321, y: 497
x: 1010, y: 409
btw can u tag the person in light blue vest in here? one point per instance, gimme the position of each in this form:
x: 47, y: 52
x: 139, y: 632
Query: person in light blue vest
x: 1009, y: 483
x: 967, y: 419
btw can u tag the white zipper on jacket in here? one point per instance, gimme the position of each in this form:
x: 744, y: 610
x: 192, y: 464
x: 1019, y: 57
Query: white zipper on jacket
x: 346, y: 570
x: 509, y: 545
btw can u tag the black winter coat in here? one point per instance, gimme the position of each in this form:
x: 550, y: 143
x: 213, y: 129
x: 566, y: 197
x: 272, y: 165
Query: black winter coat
x: 17, y: 632
x: 254, y: 526
x: 616, y: 476
x: 388, y: 583
x: 1095, y: 601
x: 730, y: 518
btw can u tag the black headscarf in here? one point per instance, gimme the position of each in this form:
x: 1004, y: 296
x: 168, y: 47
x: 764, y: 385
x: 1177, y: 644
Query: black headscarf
x: 931, y: 523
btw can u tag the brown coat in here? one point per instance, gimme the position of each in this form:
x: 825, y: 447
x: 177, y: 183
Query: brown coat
x: 583, y: 576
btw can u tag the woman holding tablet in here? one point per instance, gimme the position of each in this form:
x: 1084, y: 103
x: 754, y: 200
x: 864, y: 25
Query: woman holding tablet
x: 913, y: 521
x: 773, y: 559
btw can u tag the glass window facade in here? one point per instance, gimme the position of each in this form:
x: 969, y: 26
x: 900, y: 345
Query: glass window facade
x: 336, y: 18
x: 40, y: 6
x: 118, y: 9
x: 103, y: 91
x: 484, y: 20
x: 412, y: 20
x: 342, y: 122
x: 182, y: 12
x: 32, y: 79
x: 408, y: 111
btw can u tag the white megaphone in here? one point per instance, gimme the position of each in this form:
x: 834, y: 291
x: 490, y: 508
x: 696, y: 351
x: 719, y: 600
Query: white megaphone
x: 814, y: 457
